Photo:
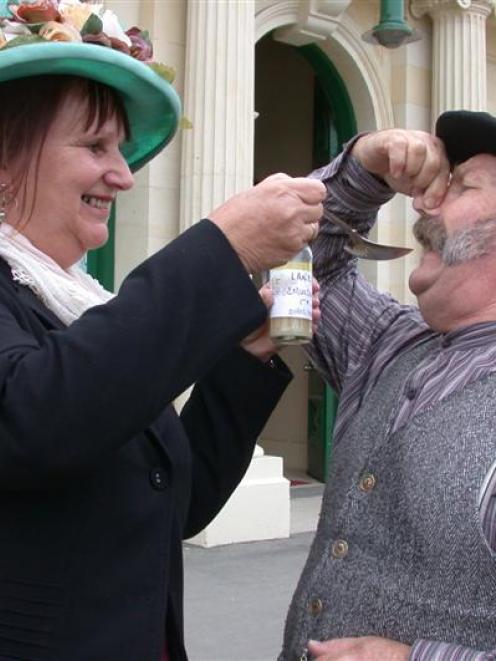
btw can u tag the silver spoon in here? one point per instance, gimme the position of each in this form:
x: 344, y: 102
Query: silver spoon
x: 364, y: 248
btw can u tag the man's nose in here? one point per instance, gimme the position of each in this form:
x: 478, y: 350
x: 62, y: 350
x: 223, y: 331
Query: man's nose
x: 420, y: 205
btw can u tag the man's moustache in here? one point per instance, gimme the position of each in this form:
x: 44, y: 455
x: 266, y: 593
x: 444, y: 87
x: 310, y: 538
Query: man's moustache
x: 430, y: 232
x: 477, y: 240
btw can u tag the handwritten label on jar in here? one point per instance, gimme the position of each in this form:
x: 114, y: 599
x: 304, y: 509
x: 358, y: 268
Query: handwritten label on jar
x: 292, y: 290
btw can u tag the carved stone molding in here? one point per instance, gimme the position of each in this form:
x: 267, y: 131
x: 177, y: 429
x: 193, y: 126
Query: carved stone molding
x: 356, y: 61
x: 317, y: 19
x: 419, y: 8
x: 458, y: 52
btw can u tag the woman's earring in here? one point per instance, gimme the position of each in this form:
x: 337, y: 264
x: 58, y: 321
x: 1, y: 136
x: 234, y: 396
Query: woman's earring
x: 3, y: 202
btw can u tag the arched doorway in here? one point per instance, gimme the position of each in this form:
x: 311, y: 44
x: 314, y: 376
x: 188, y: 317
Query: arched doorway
x: 304, y: 117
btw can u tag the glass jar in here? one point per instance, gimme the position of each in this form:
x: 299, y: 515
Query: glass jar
x: 291, y: 313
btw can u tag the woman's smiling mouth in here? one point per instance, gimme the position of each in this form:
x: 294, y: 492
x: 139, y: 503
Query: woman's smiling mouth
x: 97, y: 202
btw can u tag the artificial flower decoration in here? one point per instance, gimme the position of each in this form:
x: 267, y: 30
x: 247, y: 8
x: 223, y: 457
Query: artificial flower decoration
x: 112, y: 28
x: 53, y: 31
x: 40, y: 11
x: 36, y: 21
x: 77, y: 13
x: 141, y: 46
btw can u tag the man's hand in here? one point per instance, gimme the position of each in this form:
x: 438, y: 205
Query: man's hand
x: 365, y: 648
x: 259, y: 343
x: 269, y: 223
x: 410, y: 162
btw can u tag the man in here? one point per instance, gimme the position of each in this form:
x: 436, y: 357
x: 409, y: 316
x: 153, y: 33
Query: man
x: 403, y: 565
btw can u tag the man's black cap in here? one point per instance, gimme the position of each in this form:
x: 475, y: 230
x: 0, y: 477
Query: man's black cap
x: 466, y: 133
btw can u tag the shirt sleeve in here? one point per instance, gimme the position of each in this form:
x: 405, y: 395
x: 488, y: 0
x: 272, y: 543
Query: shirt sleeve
x: 354, y: 314
x: 429, y: 650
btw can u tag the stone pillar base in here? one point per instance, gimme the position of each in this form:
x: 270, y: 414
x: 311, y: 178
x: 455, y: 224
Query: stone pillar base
x: 258, y: 509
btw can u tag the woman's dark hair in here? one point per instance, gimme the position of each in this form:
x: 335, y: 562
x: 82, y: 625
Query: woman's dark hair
x: 28, y: 107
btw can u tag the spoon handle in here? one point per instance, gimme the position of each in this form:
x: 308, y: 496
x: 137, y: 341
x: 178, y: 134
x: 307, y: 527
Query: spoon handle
x: 341, y: 224
x: 364, y: 248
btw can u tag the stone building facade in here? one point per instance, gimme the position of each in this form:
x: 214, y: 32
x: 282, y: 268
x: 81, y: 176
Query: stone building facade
x: 279, y: 85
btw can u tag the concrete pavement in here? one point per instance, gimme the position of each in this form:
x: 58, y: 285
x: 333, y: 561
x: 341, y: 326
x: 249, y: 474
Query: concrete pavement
x: 236, y: 596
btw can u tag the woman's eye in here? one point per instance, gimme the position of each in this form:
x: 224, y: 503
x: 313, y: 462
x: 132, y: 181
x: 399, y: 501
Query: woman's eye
x: 95, y: 147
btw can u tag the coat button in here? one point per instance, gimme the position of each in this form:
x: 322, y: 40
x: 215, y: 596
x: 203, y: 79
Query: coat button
x: 339, y: 549
x: 315, y: 606
x: 367, y: 482
x: 158, y: 478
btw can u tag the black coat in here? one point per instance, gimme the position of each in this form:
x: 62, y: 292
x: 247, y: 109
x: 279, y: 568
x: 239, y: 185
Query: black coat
x: 100, y: 480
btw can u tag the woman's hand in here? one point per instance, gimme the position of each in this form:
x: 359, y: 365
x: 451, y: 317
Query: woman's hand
x: 272, y: 221
x: 259, y: 343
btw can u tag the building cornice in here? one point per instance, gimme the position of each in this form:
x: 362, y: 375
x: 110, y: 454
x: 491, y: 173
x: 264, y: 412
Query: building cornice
x: 419, y: 8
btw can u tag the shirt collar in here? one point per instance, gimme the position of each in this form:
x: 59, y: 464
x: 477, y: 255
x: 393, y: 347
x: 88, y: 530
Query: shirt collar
x: 476, y: 335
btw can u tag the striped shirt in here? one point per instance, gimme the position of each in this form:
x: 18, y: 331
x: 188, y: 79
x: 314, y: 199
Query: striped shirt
x: 343, y: 340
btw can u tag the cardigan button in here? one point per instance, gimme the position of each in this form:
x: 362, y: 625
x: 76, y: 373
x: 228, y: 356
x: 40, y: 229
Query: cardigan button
x: 315, y: 606
x: 339, y: 549
x: 367, y: 482
x: 158, y: 478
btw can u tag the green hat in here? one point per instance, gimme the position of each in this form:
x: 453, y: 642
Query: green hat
x: 152, y: 105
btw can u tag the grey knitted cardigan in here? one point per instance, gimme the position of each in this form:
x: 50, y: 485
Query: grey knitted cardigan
x: 417, y: 563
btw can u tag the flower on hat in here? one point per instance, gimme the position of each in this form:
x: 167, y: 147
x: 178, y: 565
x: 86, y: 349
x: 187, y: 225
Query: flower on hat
x: 111, y: 27
x: 77, y: 13
x: 39, y: 11
x: 141, y: 46
x: 53, y: 31
x: 85, y: 17
x: 12, y: 29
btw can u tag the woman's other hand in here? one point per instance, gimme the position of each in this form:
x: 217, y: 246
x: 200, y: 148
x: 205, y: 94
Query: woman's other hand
x: 259, y: 343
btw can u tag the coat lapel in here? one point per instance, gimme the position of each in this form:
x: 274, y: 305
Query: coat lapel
x: 29, y: 299
x: 47, y: 317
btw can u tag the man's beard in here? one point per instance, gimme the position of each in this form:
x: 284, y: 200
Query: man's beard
x: 462, y: 246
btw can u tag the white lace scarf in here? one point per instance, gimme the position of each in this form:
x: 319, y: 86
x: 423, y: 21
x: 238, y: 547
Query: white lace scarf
x: 67, y: 293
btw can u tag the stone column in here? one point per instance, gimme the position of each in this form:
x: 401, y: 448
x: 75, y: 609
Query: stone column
x: 458, y: 52
x: 217, y: 161
x: 217, y: 156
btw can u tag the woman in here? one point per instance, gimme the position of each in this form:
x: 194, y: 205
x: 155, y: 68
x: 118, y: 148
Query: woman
x: 100, y: 480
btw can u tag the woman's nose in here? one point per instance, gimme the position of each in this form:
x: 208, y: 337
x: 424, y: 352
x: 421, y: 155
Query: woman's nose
x: 119, y: 175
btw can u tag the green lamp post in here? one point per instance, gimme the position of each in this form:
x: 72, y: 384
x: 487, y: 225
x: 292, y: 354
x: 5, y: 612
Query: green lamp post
x: 392, y: 30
